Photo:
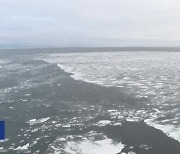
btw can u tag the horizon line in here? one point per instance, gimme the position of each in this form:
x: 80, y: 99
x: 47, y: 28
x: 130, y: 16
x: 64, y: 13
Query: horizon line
x: 56, y: 47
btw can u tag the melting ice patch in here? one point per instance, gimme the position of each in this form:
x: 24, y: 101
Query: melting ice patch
x: 87, y: 147
x: 90, y: 143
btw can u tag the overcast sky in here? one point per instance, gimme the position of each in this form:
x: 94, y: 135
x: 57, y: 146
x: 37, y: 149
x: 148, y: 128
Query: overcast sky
x: 66, y: 23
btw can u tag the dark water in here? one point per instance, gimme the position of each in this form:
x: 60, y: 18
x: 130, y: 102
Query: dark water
x: 47, y: 111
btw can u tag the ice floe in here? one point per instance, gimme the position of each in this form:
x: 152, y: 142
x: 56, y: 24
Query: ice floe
x: 104, y: 122
x: 36, y: 121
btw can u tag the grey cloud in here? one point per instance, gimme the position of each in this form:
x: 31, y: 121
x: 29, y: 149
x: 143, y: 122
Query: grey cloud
x: 90, y: 23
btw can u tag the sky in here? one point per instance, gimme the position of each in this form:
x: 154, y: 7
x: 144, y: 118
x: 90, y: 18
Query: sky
x: 89, y: 23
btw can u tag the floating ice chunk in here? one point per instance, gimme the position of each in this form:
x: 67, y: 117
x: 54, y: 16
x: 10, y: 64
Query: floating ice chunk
x: 117, y: 124
x: 24, y: 147
x: 67, y: 125
x: 131, y: 152
x: 7, y: 139
x: 32, y: 120
x: 146, y: 147
x: 104, y: 122
x: 27, y: 95
x: 36, y: 121
x: 3, y: 150
x: 131, y: 119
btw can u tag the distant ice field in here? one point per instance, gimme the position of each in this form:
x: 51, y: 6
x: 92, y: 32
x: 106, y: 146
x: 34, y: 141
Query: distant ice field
x: 154, y: 76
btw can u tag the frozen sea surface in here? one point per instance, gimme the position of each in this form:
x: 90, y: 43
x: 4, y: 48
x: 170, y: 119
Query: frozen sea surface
x: 150, y: 75
x: 82, y: 103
